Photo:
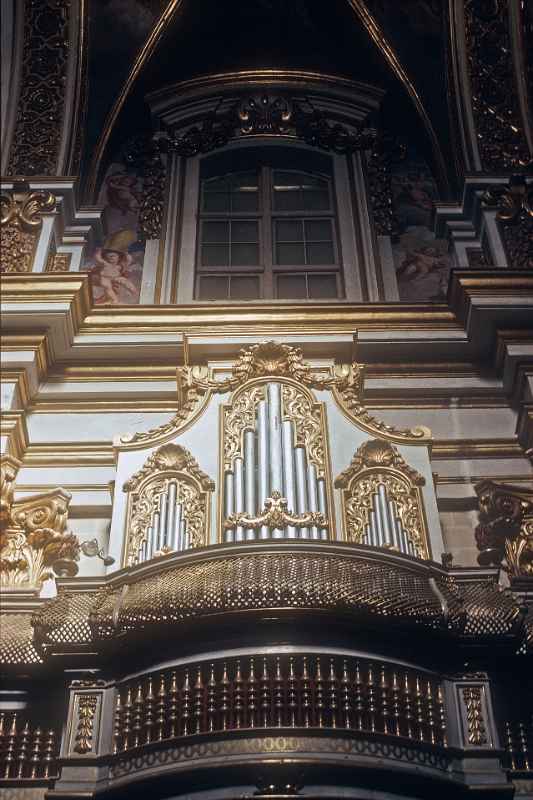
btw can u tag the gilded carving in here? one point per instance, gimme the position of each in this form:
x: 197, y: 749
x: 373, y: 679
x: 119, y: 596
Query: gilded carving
x: 37, y: 136
x: 33, y: 536
x: 495, y: 104
x: 378, y: 463
x: 473, y: 702
x: 276, y: 514
x: 58, y: 262
x: 171, y: 462
x: 20, y: 221
x: 505, y: 529
x: 87, y: 705
x: 515, y: 216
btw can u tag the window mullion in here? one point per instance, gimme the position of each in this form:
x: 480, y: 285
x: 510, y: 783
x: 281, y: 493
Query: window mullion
x: 266, y: 232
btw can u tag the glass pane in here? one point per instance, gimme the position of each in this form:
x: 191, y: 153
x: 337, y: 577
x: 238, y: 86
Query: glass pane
x: 314, y: 182
x: 215, y: 255
x: 289, y: 230
x: 244, y: 255
x: 244, y: 287
x: 287, y: 200
x: 214, y: 287
x: 244, y: 201
x: 316, y: 201
x: 282, y: 178
x: 216, y: 201
x: 244, y: 231
x: 322, y: 286
x: 320, y: 253
x: 292, y: 287
x: 245, y: 180
x: 318, y: 230
x: 290, y: 254
x: 215, y: 232
x: 216, y: 185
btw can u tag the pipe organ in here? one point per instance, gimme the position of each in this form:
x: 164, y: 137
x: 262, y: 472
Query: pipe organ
x: 382, y: 500
x: 274, y: 473
x: 168, y: 505
x: 384, y: 527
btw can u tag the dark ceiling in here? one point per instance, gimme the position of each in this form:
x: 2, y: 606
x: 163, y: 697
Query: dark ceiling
x: 210, y: 36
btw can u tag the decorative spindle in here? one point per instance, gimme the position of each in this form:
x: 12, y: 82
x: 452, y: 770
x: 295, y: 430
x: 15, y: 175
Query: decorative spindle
x: 441, y: 716
x: 198, y: 701
x: 238, y: 696
x: 224, y: 699
x: 265, y: 694
x: 306, y: 693
x: 384, y: 700
x: 11, y: 739
x: 252, y: 695
x: 126, y: 730
x: 161, y: 708
x: 408, y: 707
x: 278, y: 694
x: 36, y: 753
x: 49, y: 753
x: 523, y: 745
x: 333, y: 693
x: 509, y: 746
x: 292, y: 703
x: 359, y: 702
x: 419, y: 709
x: 430, y: 706
x: 371, y: 698
x: 173, y: 705
x: 319, y: 695
x: 137, y: 715
x: 149, y: 705
x: 345, y: 696
x: 211, y: 699
x: 186, y: 703
x: 117, y: 724
x: 22, y: 756
x: 395, y: 691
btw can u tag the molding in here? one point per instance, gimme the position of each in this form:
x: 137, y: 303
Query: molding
x: 13, y: 427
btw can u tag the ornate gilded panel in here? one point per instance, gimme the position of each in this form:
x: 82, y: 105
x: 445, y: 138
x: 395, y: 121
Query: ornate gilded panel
x: 382, y: 501
x: 168, y: 506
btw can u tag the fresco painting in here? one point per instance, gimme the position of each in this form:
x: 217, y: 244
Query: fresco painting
x: 116, y: 265
x: 421, y: 261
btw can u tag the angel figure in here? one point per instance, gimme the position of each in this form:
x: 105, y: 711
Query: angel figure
x: 110, y: 272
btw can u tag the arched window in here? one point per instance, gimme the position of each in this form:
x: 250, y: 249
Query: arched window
x: 267, y: 227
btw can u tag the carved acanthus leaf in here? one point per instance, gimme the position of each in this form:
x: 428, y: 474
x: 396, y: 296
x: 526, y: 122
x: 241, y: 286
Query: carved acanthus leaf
x: 276, y: 514
x: 170, y: 457
x: 377, y: 453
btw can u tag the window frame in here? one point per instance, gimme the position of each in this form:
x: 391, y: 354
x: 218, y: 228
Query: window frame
x: 266, y: 216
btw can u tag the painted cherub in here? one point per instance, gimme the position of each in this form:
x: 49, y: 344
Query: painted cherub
x: 110, y: 272
x: 122, y: 193
x: 421, y: 261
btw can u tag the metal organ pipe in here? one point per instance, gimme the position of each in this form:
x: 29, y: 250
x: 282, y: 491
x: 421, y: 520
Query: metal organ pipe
x: 384, y: 514
x: 228, y: 491
x: 289, y: 472
x: 274, y: 444
x: 322, y: 504
x: 301, y: 487
x: 162, y: 521
x: 176, y: 528
x: 238, y: 488
x: 249, y: 478
x: 262, y: 461
x: 312, y: 489
x: 171, y: 513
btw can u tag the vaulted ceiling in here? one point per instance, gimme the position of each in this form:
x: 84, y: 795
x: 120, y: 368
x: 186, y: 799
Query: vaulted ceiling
x: 398, y: 46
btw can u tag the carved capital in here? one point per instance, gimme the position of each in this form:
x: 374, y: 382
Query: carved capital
x: 20, y: 221
x: 505, y: 529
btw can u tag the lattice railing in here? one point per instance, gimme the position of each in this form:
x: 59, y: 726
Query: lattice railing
x: 285, y: 691
x: 26, y: 751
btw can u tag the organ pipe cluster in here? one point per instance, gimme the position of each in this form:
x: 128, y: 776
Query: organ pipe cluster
x: 384, y: 528
x: 167, y: 530
x: 272, y: 462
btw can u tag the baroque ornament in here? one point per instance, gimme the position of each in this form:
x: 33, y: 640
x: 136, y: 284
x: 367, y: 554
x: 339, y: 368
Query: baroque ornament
x: 475, y: 720
x: 276, y: 515
x: 378, y: 463
x: 87, y: 705
x: 20, y: 222
x: 169, y: 463
x: 515, y: 215
x: 34, y: 543
x: 505, y: 530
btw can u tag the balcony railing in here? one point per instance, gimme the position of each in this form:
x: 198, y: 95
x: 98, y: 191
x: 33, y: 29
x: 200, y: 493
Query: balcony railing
x: 26, y: 752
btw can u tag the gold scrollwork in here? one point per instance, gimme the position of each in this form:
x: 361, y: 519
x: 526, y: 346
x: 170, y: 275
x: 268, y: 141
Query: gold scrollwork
x: 33, y: 535
x: 276, y: 514
x: 87, y: 705
x: 378, y: 462
x: 169, y: 462
x: 20, y: 221
x: 476, y: 730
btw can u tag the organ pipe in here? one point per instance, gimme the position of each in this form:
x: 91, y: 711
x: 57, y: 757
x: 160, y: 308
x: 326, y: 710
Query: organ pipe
x: 301, y: 487
x: 163, y: 521
x: 322, y: 504
x: 262, y: 465
x: 171, y: 513
x: 289, y: 471
x: 238, y: 488
x: 249, y: 478
x: 229, y: 495
x: 313, y: 495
